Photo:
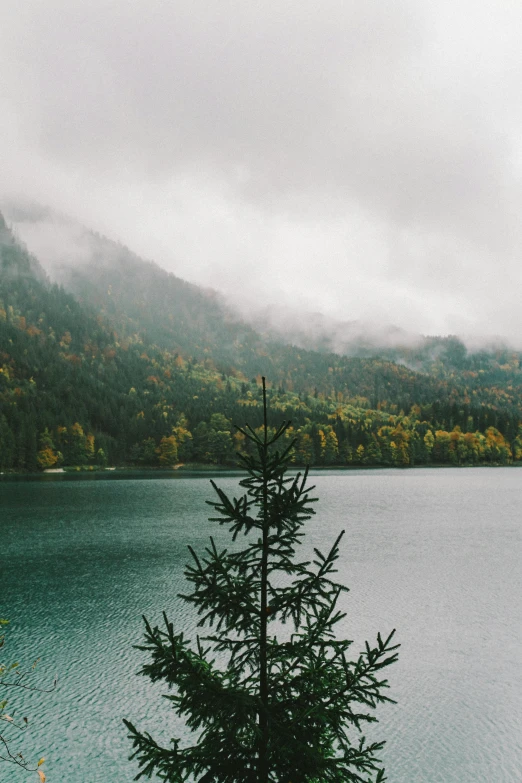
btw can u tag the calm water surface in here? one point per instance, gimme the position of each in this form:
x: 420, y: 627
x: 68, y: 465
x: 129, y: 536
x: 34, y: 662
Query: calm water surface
x: 433, y: 553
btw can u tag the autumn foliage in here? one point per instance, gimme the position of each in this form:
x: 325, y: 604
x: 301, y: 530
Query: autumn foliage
x: 121, y: 383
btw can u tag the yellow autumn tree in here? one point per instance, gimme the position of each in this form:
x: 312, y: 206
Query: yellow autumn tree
x: 304, y: 449
x: 183, y: 437
x: 47, y: 456
x: 168, y: 451
x: 497, y: 449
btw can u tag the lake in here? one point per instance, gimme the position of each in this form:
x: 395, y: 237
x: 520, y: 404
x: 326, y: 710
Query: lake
x: 435, y: 554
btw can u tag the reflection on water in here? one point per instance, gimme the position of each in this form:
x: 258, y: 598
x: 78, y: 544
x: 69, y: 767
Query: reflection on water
x: 434, y: 553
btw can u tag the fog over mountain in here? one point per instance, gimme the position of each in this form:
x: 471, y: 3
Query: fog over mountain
x: 66, y: 247
x: 360, y: 160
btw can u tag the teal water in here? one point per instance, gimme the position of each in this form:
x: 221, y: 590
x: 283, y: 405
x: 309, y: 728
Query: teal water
x: 434, y: 553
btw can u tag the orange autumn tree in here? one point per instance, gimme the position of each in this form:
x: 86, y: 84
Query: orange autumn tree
x: 47, y: 456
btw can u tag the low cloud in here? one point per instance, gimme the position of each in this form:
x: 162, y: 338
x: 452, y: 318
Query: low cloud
x: 363, y: 160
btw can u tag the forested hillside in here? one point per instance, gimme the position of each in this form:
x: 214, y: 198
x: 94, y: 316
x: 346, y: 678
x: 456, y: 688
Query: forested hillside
x: 133, y: 366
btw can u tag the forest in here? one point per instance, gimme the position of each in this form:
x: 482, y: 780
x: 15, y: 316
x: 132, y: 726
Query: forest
x: 127, y: 365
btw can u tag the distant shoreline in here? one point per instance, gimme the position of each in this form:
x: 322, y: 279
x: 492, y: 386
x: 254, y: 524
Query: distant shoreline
x: 199, y: 470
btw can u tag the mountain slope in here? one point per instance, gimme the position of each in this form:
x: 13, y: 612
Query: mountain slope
x: 140, y: 298
x: 140, y: 367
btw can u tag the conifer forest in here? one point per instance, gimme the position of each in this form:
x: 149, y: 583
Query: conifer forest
x: 127, y: 365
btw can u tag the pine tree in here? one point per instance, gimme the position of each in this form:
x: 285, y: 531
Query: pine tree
x: 269, y: 692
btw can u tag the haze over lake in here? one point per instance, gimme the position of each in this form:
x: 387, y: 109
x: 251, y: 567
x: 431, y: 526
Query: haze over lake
x: 433, y: 553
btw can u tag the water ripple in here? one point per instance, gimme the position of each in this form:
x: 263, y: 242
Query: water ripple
x: 436, y: 554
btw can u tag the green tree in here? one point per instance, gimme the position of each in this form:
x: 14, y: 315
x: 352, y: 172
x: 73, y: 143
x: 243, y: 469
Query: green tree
x: 7, y: 445
x: 220, y: 443
x: 373, y: 452
x: 77, y: 449
x: 429, y: 442
x: 266, y: 707
x: 144, y: 452
x: 183, y: 437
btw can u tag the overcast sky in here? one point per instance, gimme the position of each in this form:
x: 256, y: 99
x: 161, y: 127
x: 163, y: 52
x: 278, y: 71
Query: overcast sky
x: 363, y: 159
